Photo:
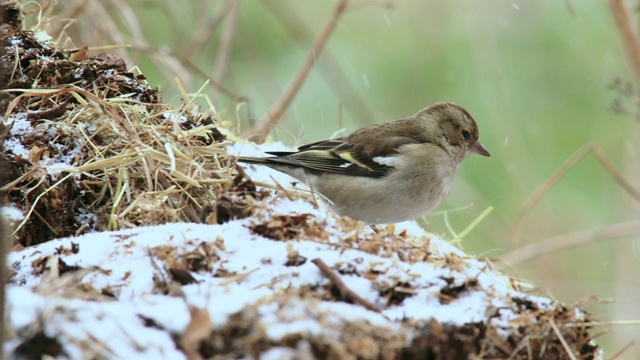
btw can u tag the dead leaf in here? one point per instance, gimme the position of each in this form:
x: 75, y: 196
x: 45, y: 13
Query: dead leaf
x: 198, y: 329
x: 79, y: 54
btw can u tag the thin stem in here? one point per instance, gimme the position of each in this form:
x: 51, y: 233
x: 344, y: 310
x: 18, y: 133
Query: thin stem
x: 275, y: 114
x: 565, y: 241
x: 628, y: 32
x: 222, y: 58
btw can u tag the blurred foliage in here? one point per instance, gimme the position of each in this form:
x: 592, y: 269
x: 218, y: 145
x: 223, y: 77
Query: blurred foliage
x: 534, y: 74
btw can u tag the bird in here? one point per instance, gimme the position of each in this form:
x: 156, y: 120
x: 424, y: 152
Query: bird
x: 388, y: 172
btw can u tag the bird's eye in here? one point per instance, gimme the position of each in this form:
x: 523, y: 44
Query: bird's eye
x: 465, y: 134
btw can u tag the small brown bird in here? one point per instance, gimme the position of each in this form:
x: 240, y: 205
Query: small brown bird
x: 389, y: 172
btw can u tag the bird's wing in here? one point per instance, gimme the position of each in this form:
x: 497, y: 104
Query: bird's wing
x: 313, y: 158
x: 351, y: 156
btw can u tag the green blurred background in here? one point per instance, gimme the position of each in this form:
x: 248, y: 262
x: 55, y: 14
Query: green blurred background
x: 535, y: 75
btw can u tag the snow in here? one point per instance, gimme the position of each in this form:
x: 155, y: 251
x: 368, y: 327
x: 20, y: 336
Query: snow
x: 16, y: 147
x: 21, y: 126
x: 42, y: 36
x: 279, y: 353
x: 25, y: 306
x: 60, y: 161
x: 11, y: 213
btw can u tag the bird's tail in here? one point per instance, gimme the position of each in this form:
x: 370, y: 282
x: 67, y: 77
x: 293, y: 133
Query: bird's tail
x: 279, y: 157
x: 254, y: 160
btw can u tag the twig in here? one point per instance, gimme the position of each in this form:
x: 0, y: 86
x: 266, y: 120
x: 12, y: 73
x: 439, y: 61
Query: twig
x: 44, y: 220
x: 613, y: 171
x: 542, y: 190
x: 159, y: 52
x: 628, y: 32
x: 333, y: 72
x: 621, y: 351
x: 345, y: 292
x: 556, y: 243
x: 207, y: 29
x: 222, y: 57
x: 539, y: 193
x: 572, y: 10
x: 566, y: 347
x: 27, y: 217
x: 275, y: 114
x: 603, y: 323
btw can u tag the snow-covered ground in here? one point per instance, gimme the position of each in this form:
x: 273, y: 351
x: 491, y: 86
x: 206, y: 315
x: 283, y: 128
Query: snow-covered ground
x: 114, y: 294
x: 243, y: 269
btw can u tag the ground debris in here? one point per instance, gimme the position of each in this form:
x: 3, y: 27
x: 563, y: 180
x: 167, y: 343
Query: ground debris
x: 88, y: 146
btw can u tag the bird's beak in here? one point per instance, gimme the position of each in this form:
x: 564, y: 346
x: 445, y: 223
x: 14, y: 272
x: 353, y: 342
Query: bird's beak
x: 479, y: 149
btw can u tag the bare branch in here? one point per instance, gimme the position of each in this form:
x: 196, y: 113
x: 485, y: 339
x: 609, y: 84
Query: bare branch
x: 621, y: 351
x: 345, y: 292
x: 563, y: 341
x: 542, y: 190
x: 565, y: 241
x: 628, y: 32
x: 224, y: 50
x: 275, y: 114
x: 206, y: 30
x: 330, y: 67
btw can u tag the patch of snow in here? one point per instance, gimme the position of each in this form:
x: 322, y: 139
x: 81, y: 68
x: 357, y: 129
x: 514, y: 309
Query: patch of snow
x: 12, y: 214
x: 21, y: 126
x: 15, y: 146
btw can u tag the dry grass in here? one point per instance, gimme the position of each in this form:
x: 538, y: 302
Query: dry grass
x: 101, y: 151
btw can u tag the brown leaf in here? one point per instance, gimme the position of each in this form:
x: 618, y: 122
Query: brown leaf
x: 198, y: 329
x: 182, y: 276
x: 80, y: 54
